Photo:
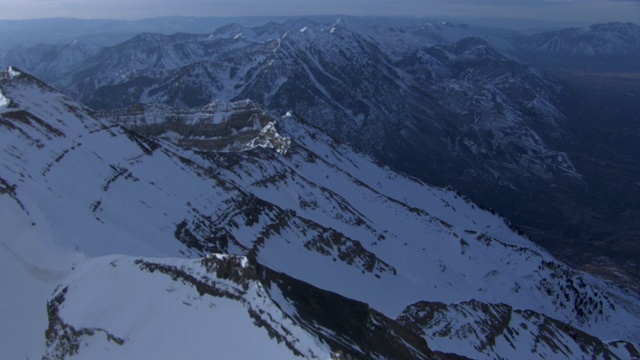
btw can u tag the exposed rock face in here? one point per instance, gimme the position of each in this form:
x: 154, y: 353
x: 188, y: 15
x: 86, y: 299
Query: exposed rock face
x: 269, y: 138
x: 63, y: 340
x: 215, y: 126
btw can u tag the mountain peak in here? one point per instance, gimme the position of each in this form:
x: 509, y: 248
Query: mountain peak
x: 10, y: 73
x: 232, y: 30
x: 14, y: 75
x: 618, y: 27
x: 269, y: 138
x: 474, y: 47
x: 37, y: 111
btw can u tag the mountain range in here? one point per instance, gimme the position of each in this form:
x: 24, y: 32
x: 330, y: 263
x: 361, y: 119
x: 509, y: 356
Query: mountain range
x: 274, y: 179
x: 453, y: 105
x: 117, y: 244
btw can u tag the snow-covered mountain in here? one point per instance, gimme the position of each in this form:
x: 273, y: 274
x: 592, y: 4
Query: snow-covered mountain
x: 119, y: 245
x: 439, y: 101
x: 430, y: 100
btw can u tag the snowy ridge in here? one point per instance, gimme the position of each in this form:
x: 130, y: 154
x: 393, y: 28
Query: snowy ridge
x: 222, y: 302
x: 75, y: 190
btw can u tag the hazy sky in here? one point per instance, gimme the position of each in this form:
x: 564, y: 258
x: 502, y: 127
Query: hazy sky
x: 573, y: 10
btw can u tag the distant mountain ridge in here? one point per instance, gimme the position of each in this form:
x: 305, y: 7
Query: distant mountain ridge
x: 600, y: 40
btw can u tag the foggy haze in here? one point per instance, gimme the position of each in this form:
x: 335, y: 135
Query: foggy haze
x: 555, y: 10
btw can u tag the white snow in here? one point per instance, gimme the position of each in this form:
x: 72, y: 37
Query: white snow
x: 31, y: 266
x: 13, y: 73
x: 163, y: 318
x: 4, y: 102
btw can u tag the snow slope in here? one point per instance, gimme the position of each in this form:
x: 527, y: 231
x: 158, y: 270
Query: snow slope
x: 220, y: 304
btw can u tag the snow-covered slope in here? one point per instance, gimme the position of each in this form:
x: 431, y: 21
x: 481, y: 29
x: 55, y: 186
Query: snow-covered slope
x: 85, y: 202
x: 177, y: 308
